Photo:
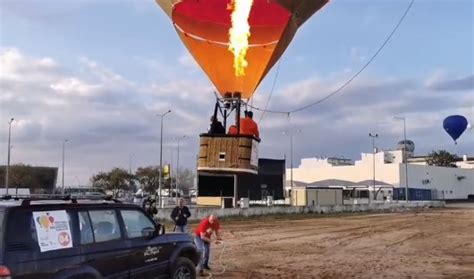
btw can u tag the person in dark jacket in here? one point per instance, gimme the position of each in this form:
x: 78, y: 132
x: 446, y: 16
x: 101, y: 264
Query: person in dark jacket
x: 216, y: 127
x: 180, y: 217
x: 149, y: 205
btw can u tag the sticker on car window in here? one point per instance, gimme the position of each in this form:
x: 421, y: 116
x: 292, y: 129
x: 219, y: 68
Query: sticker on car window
x: 52, y: 230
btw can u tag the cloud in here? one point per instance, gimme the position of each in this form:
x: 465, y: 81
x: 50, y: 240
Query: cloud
x: 188, y: 61
x: 340, y: 125
x: 107, y: 116
x: 358, y: 54
x: 102, y: 113
x: 14, y: 66
x: 457, y: 84
x: 42, y: 11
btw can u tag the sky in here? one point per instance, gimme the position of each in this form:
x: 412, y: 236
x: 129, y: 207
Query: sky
x: 97, y: 72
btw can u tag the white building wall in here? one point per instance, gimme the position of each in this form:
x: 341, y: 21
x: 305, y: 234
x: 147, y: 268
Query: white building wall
x: 388, y: 173
x: 444, y: 180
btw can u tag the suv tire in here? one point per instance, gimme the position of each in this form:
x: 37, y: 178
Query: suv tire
x: 183, y: 269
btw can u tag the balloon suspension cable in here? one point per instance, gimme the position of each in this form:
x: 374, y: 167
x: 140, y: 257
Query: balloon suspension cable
x: 353, y: 77
x: 228, y: 104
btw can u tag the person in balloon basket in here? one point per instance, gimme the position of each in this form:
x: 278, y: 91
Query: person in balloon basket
x: 216, y: 127
x: 233, y: 130
x: 248, y: 125
x: 180, y: 215
x: 202, y: 239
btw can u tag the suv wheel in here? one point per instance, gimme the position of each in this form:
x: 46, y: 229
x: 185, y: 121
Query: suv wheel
x: 183, y: 269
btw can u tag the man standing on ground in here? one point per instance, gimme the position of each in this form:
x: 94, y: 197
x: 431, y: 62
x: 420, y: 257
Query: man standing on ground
x: 202, y: 238
x: 180, y: 216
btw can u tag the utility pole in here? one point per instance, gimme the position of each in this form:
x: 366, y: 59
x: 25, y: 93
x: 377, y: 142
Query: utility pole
x: 64, y: 151
x: 160, y: 202
x: 373, y: 136
x: 405, y: 159
x: 8, y: 154
x: 130, y: 171
x: 291, y: 159
x: 177, y: 169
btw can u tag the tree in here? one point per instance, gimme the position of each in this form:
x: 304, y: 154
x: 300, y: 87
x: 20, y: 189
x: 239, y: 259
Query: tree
x: 37, y: 179
x: 441, y: 158
x: 116, y: 180
x: 186, y: 179
x: 148, y: 177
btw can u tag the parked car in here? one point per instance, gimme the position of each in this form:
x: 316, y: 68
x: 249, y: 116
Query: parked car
x: 88, y: 239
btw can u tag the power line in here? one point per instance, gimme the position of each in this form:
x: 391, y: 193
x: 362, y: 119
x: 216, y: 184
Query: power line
x: 345, y: 84
x: 271, y: 92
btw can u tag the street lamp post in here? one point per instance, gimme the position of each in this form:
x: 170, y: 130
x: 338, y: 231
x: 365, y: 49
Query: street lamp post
x: 373, y: 136
x: 405, y: 160
x: 8, y: 154
x: 160, y: 202
x: 291, y: 159
x: 64, y: 152
x: 130, y: 171
x: 177, y: 169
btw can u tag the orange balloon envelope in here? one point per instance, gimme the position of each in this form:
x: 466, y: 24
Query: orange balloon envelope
x: 203, y: 26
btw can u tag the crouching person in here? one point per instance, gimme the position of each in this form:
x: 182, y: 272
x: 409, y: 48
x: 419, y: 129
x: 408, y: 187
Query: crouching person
x: 202, y: 239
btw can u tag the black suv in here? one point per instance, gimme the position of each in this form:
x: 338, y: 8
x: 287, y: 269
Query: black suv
x: 86, y: 239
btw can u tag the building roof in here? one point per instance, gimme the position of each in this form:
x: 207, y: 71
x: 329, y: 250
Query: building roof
x: 370, y: 182
x: 296, y: 183
x: 332, y: 182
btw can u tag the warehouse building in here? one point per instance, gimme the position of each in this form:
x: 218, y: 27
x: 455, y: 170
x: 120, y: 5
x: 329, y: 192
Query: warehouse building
x: 392, y: 177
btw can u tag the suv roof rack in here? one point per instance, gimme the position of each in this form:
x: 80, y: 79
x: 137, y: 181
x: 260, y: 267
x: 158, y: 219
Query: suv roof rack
x: 26, y: 199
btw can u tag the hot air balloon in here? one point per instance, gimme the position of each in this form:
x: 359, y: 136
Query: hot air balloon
x: 236, y: 43
x: 455, y: 125
x: 204, y: 27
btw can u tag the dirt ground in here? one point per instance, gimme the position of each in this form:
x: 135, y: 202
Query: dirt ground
x: 432, y: 243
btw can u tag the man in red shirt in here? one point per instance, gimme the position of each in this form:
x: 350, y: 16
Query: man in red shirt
x: 202, y: 239
x: 248, y: 126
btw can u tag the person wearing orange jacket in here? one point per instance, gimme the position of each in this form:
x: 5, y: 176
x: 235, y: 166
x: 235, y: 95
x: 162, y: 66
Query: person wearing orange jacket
x: 232, y: 130
x: 248, y: 126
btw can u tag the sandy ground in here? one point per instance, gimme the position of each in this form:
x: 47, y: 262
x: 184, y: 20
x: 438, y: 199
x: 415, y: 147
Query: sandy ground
x: 433, y: 243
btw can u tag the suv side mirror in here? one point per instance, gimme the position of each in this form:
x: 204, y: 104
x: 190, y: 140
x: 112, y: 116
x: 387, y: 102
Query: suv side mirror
x: 149, y: 232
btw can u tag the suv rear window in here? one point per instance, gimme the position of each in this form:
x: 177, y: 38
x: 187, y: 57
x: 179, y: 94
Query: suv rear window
x: 105, y: 225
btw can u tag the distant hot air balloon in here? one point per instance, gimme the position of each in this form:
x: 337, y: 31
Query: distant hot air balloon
x: 455, y: 125
x: 236, y: 42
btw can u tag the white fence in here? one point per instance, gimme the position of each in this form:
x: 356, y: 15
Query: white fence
x: 198, y: 213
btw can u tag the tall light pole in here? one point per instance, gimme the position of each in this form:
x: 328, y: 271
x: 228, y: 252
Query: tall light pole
x: 373, y: 136
x: 8, y: 154
x: 130, y: 171
x: 64, y: 155
x: 405, y: 160
x: 160, y: 202
x: 130, y: 164
x: 291, y: 158
x: 177, y: 169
